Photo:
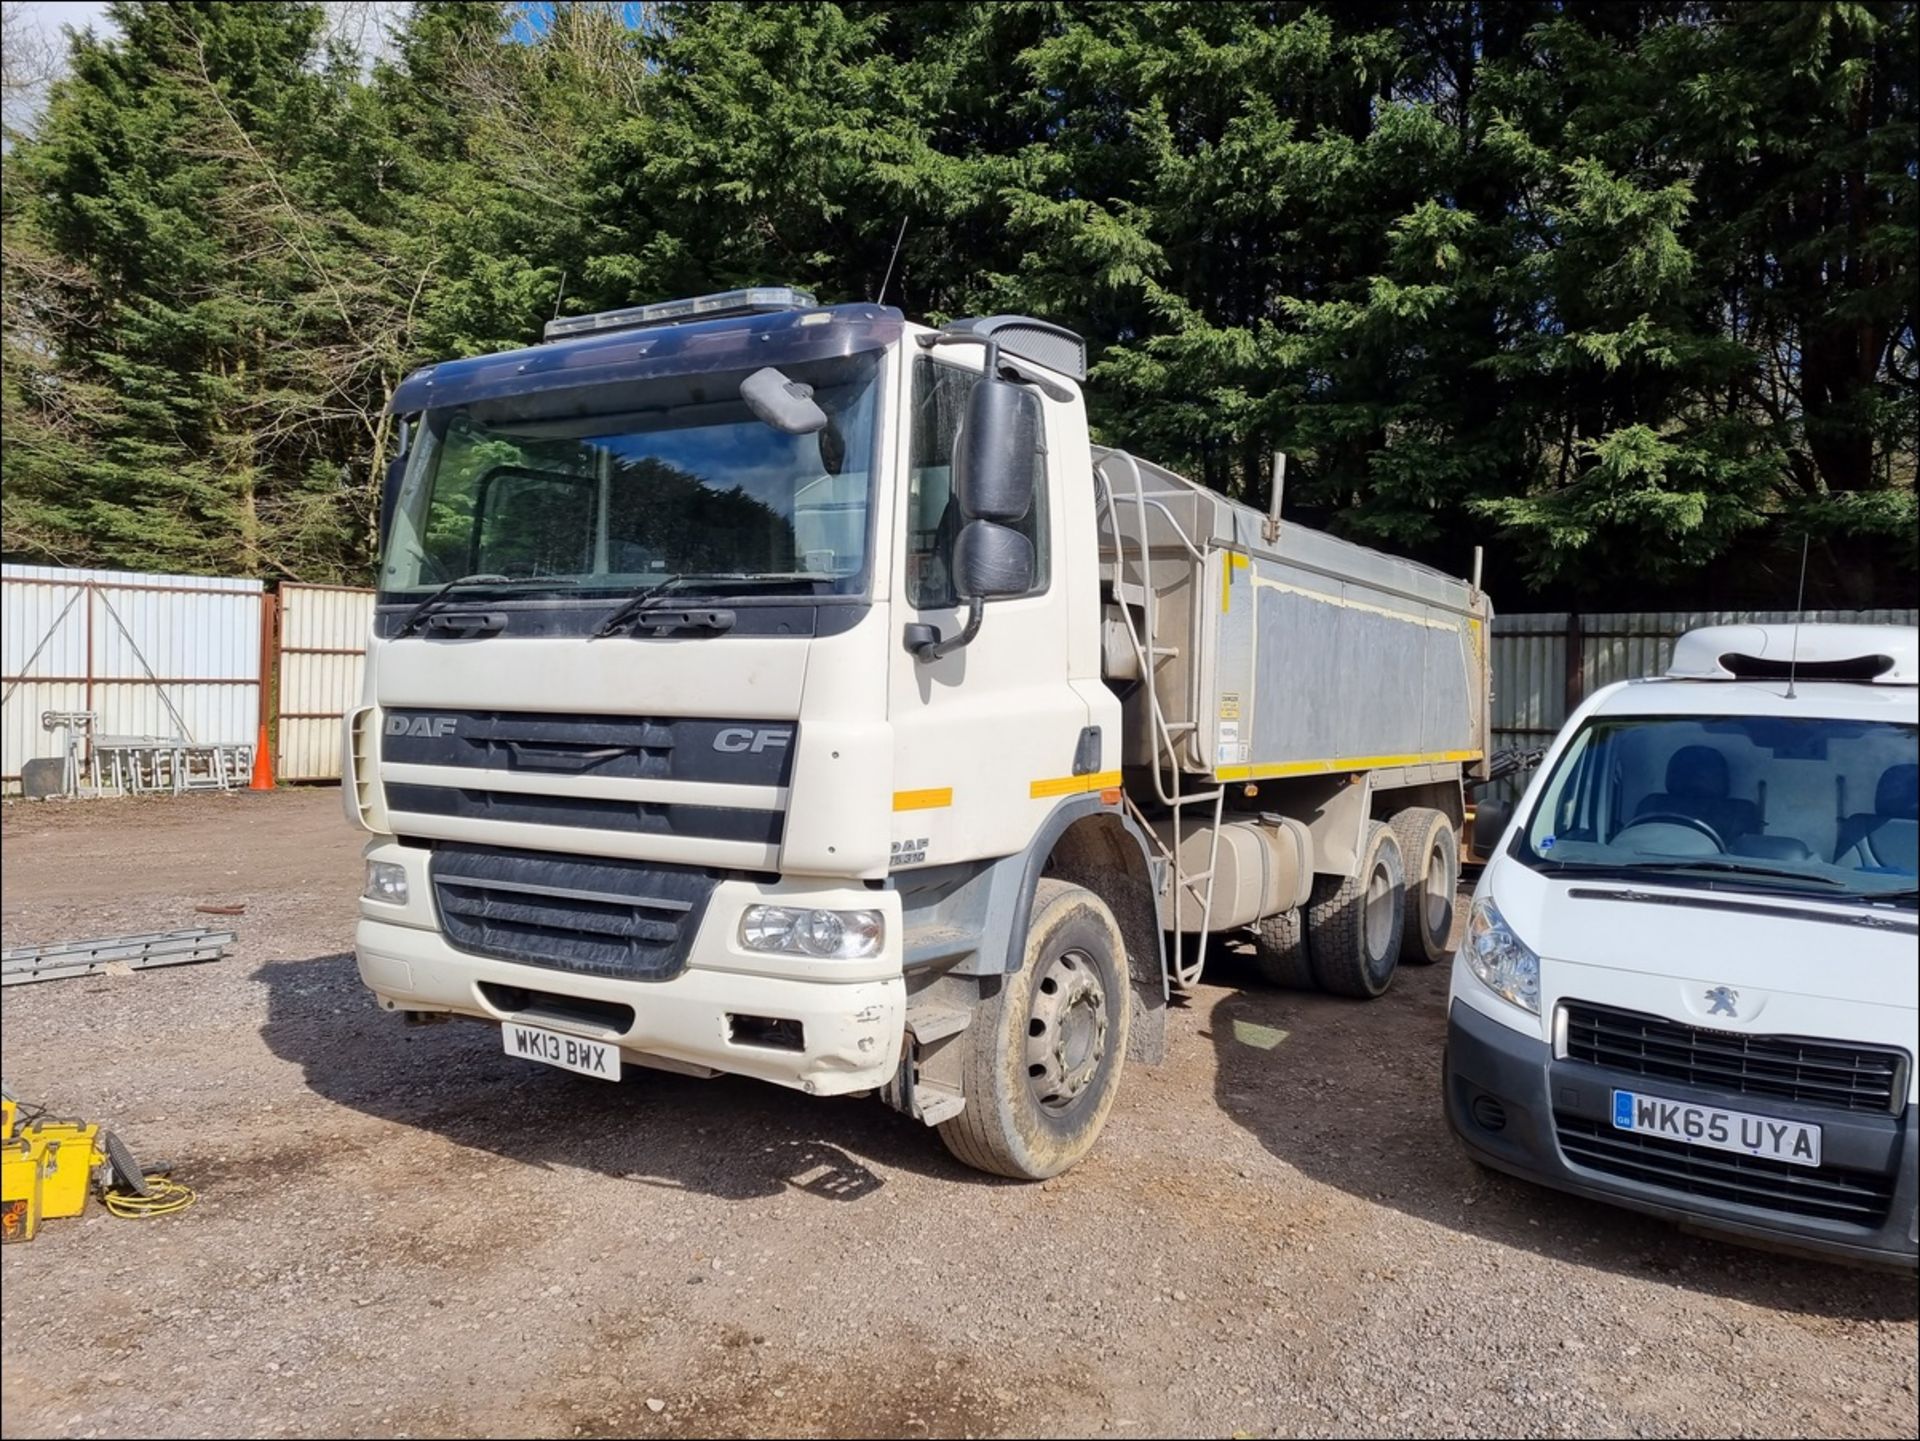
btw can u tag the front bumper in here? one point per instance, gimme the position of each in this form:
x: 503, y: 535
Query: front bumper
x: 851, y: 1015
x: 1494, y: 1073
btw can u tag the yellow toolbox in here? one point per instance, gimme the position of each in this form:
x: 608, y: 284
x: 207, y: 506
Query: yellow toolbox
x: 72, y: 1154
x: 21, y: 1189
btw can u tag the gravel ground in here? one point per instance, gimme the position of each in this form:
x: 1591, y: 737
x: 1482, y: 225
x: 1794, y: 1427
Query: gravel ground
x: 402, y: 1231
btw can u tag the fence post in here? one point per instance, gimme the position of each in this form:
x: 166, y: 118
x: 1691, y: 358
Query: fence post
x: 262, y: 779
x: 1576, y: 684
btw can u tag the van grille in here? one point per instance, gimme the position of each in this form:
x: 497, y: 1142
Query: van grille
x: 1792, y: 1068
x: 634, y: 920
x: 1827, y: 1193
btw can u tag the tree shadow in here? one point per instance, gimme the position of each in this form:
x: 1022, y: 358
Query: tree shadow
x: 729, y: 1137
x: 1349, y: 1093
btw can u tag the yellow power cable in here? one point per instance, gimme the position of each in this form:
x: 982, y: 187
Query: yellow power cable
x: 164, y: 1197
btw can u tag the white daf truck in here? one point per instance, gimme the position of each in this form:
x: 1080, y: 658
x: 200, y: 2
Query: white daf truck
x: 792, y: 691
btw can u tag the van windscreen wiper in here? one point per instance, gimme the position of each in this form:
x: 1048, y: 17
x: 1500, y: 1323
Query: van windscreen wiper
x: 471, y: 582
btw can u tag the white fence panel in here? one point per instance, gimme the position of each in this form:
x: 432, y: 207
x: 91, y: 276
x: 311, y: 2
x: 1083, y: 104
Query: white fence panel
x: 323, y: 646
x: 150, y: 655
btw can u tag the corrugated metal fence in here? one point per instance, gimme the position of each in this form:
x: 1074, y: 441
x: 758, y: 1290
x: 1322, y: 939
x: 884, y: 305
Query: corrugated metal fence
x: 323, y: 644
x: 1544, y: 665
x: 150, y: 655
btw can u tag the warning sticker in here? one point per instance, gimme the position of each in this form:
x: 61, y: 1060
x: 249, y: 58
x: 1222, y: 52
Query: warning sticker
x: 1229, y: 706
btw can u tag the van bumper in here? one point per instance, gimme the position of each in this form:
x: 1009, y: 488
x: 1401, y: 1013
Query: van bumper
x: 1503, y: 1090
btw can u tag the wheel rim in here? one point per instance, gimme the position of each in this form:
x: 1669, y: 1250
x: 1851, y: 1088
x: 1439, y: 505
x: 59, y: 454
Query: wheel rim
x: 1438, y: 884
x: 1066, y: 1030
x: 1376, y: 925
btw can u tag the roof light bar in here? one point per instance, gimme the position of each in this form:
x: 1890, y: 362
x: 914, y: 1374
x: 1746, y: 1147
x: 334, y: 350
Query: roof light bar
x: 757, y: 300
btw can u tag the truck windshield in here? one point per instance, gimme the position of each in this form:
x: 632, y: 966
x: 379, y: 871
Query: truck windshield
x: 1802, y: 804
x: 617, y: 487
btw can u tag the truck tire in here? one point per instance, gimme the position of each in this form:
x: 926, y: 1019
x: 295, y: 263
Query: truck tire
x: 1044, y: 1052
x: 1354, y: 922
x: 1280, y: 951
x: 1430, y: 850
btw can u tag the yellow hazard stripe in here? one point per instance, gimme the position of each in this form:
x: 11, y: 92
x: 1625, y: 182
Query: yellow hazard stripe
x: 927, y: 800
x: 1232, y: 562
x: 1337, y: 765
x: 1074, y: 785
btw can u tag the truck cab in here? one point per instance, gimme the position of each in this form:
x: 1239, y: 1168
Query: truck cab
x: 703, y: 708
x: 1688, y: 982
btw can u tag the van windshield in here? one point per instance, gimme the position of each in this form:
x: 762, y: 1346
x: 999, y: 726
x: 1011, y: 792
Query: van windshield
x: 1801, y: 804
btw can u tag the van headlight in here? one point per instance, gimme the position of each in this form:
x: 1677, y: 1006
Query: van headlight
x: 1505, y: 964
x: 798, y: 930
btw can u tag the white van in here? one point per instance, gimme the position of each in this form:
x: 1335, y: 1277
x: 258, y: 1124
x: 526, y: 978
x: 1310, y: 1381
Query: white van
x: 1690, y: 978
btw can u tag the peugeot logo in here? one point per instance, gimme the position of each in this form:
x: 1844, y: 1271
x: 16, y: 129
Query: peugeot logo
x: 1723, y: 1001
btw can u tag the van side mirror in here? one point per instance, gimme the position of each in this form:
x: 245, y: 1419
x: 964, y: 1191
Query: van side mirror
x: 991, y: 560
x: 994, y: 453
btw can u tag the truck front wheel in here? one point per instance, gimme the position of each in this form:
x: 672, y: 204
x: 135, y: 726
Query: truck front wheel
x: 1354, y: 923
x: 1044, y: 1051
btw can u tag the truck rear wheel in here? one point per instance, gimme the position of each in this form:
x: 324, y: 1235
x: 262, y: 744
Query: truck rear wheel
x: 1280, y: 951
x: 1044, y: 1052
x: 1431, y: 853
x: 1354, y: 922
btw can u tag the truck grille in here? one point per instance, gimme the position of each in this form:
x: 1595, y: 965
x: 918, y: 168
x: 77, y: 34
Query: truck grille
x: 1792, y: 1068
x: 634, y: 920
x: 1827, y: 1193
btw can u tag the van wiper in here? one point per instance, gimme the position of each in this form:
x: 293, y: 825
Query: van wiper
x: 469, y: 582
x: 1745, y: 868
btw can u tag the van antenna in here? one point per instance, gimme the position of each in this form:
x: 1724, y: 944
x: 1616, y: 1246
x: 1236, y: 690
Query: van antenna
x: 1799, y: 609
x: 900, y: 236
x: 560, y: 295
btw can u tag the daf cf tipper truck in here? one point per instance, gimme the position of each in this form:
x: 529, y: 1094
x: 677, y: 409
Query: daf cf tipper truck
x: 792, y: 691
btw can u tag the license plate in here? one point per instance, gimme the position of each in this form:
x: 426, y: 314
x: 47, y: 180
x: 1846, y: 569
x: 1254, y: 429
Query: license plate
x: 1740, y: 1131
x: 569, y: 1053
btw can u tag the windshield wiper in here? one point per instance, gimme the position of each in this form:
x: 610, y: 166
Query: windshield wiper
x: 467, y: 582
x: 639, y: 604
x: 1679, y: 867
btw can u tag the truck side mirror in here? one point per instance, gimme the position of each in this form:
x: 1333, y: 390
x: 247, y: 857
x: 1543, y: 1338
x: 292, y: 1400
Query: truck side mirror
x: 993, y: 456
x: 991, y: 560
x: 390, y: 496
x: 1491, y: 817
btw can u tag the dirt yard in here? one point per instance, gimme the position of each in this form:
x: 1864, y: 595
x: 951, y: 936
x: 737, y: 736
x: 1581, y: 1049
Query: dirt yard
x: 402, y: 1231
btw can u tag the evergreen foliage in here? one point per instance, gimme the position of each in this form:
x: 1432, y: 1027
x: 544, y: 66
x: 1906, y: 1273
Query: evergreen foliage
x: 1623, y: 290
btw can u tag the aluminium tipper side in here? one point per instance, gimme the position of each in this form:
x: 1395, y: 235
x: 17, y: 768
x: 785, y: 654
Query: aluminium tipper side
x: 1306, y: 656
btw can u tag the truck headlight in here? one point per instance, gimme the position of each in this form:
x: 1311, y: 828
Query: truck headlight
x: 386, y: 882
x: 1505, y: 964
x: 833, y: 935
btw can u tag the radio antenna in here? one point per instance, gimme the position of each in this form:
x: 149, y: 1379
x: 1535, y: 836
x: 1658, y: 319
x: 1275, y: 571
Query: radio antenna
x: 902, y: 235
x: 1799, y: 610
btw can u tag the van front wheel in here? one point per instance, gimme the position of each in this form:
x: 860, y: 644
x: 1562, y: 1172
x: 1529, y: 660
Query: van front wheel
x: 1044, y: 1051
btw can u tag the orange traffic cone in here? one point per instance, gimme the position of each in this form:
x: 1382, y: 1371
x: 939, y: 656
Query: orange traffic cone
x: 262, y: 763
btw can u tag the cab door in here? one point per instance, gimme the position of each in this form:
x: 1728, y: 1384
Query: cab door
x: 986, y: 736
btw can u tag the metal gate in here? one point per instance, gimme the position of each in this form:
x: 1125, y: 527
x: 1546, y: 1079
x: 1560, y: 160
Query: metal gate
x: 323, y: 646
x: 170, y: 660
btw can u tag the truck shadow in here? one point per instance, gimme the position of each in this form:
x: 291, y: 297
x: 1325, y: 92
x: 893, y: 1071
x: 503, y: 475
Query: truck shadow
x: 1348, y: 1093
x: 729, y: 1137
